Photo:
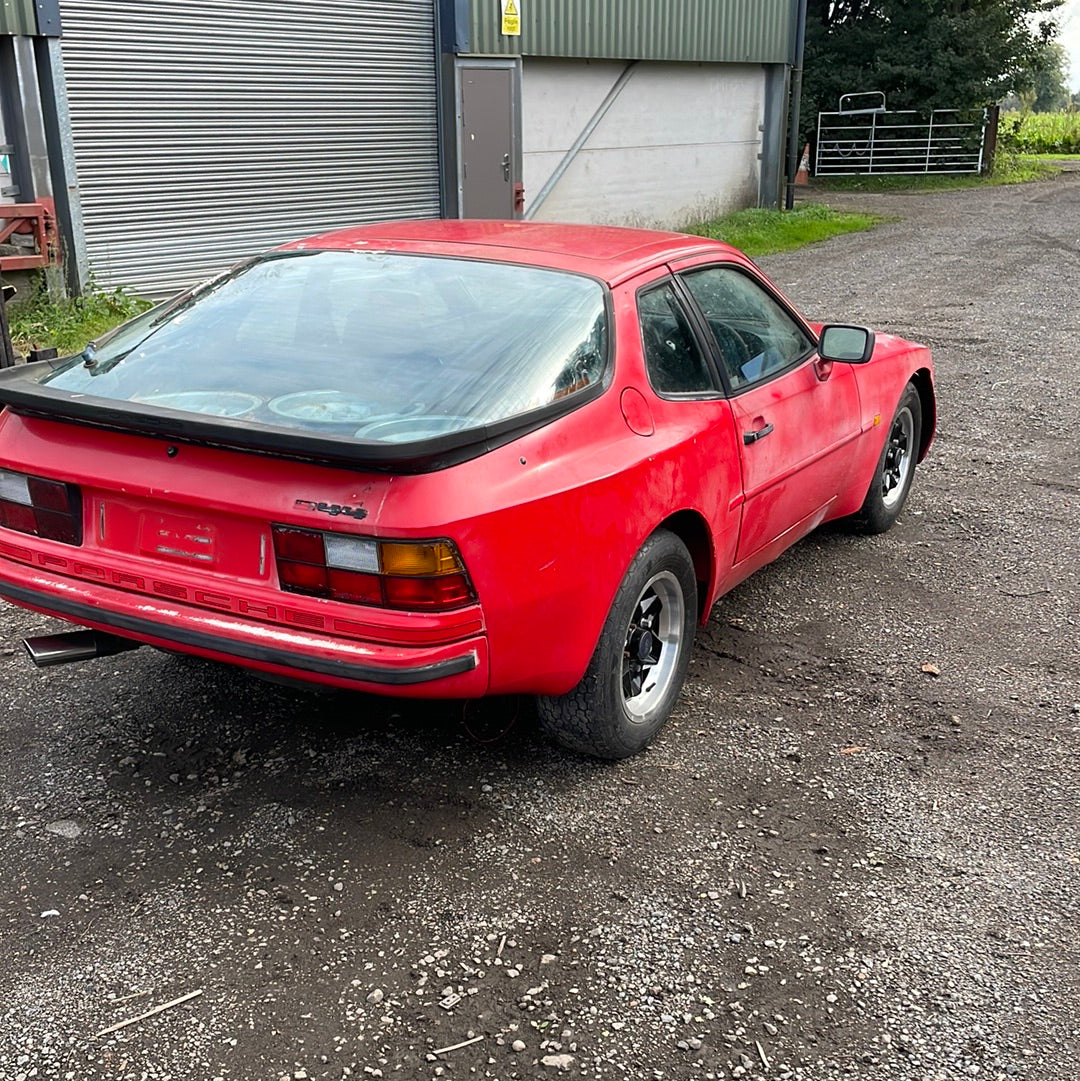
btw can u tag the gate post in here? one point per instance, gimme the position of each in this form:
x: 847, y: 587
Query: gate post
x: 988, y: 146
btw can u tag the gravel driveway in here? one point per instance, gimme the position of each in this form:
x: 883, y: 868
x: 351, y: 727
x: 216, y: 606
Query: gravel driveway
x: 854, y: 851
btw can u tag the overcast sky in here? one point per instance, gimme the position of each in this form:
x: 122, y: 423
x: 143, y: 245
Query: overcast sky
x: 1069, y: 21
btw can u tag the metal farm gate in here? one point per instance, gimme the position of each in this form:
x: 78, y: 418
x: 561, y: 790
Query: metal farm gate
x: 869, y: 139
x: 205, y: 130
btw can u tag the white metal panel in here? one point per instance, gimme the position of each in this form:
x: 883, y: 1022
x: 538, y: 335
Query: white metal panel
x: 680, y: 143
x: 206, y: 130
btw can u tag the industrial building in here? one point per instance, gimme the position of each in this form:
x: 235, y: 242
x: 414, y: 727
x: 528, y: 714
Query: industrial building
x: 164, y: 141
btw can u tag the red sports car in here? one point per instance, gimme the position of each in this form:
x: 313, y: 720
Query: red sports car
x: 450, y: 459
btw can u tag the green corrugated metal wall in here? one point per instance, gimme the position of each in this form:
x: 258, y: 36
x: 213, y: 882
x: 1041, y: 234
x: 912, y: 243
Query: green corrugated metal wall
x: 17, y: 17
x: 732, y: 31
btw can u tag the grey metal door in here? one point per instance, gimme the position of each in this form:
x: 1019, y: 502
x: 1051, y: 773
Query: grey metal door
x: 490, y: 183
x: 206, y: 130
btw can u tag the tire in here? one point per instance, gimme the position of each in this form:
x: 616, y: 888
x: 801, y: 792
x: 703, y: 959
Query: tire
x: 895, y: 468
x: 639, y: 664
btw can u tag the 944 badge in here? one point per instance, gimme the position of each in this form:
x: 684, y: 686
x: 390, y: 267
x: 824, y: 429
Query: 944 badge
x: 333, y: 509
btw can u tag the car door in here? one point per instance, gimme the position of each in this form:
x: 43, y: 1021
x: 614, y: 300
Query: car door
x: 695, y: 436
x: 796, y: 415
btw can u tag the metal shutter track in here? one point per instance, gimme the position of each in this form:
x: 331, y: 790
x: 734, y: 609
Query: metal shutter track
x: 206, y: 130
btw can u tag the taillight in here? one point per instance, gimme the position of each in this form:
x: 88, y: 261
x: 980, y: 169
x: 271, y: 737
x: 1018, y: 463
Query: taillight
x: 424, y: 575
x: 41, y: 507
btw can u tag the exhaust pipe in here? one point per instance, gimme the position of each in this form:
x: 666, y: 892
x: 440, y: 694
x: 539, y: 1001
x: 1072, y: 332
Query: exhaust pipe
x: 48, y: 649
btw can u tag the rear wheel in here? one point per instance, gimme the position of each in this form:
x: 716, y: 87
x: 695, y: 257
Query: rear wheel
x: 640, y: 661
x: 895, y: 469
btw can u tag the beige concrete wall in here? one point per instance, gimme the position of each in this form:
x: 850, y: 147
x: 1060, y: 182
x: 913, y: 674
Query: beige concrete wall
x: 681, y: 141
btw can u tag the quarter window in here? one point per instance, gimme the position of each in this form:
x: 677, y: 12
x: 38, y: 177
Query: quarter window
x: 672, y: 357
x: 756, y: 337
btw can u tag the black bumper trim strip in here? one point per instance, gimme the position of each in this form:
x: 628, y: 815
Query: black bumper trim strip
x: 359, y: 673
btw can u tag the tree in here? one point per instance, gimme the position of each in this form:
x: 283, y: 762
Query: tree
x: 1044, y: 88
x: 923, y: 54
x: 1048, y: 86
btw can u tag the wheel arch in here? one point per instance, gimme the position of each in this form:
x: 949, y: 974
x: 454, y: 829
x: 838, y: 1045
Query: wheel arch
x: 924, y: 384
x: 692, y: 529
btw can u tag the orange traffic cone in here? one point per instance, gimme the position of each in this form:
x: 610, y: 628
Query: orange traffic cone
x: 803, y: 174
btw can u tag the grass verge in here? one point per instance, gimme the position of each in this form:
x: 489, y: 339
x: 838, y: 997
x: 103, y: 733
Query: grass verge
x: 1050, y: 158
x: 763, y: 232
x: 68, y: 325
x: 1008, y: 169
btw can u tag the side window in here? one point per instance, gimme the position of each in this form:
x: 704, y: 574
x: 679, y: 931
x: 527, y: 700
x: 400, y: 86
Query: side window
x: 672, y: 358
x: 755, y: 335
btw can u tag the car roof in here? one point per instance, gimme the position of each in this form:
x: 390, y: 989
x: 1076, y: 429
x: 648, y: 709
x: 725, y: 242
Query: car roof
x: 608, y: 252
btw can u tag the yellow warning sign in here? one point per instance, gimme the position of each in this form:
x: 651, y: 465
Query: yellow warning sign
x: 511, y: 19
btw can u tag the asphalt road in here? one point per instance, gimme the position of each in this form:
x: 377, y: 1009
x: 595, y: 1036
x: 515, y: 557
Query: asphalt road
x: 854, y: 851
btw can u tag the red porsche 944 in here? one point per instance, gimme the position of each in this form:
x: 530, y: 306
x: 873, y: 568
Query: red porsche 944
x: 450, y: 459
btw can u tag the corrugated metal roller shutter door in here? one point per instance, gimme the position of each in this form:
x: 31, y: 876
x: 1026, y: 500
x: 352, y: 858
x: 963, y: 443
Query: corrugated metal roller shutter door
x: 205, y: 130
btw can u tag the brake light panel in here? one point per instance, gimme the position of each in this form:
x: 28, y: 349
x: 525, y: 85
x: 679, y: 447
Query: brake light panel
x: 409, y: 575
x: 41, y: 507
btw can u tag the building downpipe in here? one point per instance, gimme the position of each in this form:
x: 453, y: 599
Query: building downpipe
x: 796, y: 105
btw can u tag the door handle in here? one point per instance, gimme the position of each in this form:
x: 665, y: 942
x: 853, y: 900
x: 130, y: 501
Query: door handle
x: 506, y: 167
x: 753, y: 437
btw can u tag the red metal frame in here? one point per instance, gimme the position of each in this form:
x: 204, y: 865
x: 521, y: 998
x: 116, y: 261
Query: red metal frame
x: 37, y: 219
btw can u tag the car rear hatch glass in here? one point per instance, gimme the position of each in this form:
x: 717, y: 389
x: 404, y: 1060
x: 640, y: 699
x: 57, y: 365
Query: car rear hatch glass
x: 369, y: 356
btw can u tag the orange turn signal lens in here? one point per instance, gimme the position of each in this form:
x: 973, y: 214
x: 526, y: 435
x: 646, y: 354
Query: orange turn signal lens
x: 428, y: 559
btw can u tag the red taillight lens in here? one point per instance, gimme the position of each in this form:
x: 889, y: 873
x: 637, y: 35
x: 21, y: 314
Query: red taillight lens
x: 300, y: 545
x: 355, y: 588
x: 41, y: 507
x: 410, y: 575
x: 449, y: 591
x: 49, y: 495
x: 303, y: 578
x: 58, y: 527
x: 17, y: 517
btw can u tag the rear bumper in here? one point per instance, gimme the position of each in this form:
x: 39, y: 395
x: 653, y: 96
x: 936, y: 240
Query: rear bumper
x: 458, y: 669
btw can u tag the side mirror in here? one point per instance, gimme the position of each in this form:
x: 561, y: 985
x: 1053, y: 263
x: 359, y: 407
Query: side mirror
x: 845, y: 343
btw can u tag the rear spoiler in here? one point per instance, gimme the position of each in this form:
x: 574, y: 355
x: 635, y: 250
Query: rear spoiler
x: 22, y: 394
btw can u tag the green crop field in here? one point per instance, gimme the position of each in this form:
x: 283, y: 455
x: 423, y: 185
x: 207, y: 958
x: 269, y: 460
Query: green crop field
x: 1040, y: 133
